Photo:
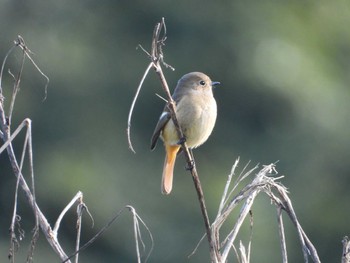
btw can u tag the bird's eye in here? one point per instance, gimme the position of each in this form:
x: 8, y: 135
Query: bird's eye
x: 202, y: 82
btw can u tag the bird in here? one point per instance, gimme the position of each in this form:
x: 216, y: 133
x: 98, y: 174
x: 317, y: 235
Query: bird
x: 196, y: 112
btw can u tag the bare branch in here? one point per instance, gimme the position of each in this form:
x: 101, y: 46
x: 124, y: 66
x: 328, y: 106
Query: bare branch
x: 7, y: 137
x: 50, y: 234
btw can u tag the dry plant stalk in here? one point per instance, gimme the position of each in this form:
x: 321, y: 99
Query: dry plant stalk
x: 157, y: 60
x: 7, y: 137
x: 266, y: 182
x: 137, y: 221
x: 41, y: 222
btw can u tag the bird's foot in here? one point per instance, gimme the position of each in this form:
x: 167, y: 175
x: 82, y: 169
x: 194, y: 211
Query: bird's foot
x: 190, y: 165
x: 182, y: 140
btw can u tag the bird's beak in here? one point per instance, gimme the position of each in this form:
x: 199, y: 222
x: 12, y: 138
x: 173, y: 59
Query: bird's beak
x: 214, y: 83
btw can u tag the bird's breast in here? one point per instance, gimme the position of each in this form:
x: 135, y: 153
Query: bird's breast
x: 197, y: 118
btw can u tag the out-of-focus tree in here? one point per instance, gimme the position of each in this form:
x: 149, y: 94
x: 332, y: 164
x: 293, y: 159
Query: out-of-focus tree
x: 284, y: 96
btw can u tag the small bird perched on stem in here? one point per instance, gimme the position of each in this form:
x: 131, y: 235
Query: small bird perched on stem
x: 196, y: 114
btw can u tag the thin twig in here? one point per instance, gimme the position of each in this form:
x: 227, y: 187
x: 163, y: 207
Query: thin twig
x: 15, y: 217
x: 7, y: 137
x: 28, y: 146
x: 240, y: 178
x: 80, y: 209
x: 3, y: 66
x: 282, y: 235
x: 42, y: 219
x: 307, y: 247
x: 244, y: 212
x: 251, y: 234
x: 133, y: 105
x: 33, y: 242
x: 165, y: 100
x: 136, y: 218
x: 15, y: 133
x: 197, y: 246
x: 284, y: 202
x: 228, y: 183
x: 15, y: 89
x: 14, y: 244
x: 137, y: 234
x: 76, y: 198
x: 269, y: 185
x: 20, y: 42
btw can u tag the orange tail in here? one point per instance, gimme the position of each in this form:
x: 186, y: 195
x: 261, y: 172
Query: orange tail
x: 168, y: 169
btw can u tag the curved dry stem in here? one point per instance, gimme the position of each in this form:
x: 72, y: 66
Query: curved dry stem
x: 20, y: 42
x: 137, y: 233
x: 133, y: 105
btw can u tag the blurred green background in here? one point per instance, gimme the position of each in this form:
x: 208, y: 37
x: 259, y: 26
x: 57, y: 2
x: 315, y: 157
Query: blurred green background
x: 284, y: 68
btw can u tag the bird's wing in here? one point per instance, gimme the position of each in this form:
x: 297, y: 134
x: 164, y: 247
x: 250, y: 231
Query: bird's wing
x: 164, y: 118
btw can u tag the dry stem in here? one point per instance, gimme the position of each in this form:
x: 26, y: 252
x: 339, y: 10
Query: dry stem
x: 7, y: 137
x: 157, y: 60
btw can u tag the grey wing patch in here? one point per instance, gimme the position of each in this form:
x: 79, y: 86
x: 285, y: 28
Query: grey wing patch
x: 164, y: 118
